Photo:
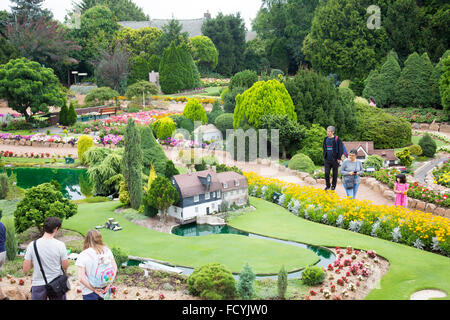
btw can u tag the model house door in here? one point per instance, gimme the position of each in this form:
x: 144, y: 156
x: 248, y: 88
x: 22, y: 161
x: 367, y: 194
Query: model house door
x: 207, y: 210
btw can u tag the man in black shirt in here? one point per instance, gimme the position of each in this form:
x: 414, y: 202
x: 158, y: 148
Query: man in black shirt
x: 333, y: 149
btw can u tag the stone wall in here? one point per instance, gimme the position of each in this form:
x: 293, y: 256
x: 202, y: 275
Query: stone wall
x: 24, y: 142
x: 441, y: 127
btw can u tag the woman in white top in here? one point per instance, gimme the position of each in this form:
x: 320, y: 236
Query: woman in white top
x: 96, y: 255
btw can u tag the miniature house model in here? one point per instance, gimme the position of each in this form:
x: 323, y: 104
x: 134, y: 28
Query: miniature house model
x: 202, y: 193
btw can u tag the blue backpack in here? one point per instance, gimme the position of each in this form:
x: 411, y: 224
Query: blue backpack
x: 337, y: 147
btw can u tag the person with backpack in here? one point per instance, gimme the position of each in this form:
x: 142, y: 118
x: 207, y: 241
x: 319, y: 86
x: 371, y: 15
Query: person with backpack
x: 2, y: 255
x: 96, y: 267
x: 48, y: 258
x: 333, y: 149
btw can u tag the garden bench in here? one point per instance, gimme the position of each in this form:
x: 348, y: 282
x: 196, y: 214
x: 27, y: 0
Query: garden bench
x: 110, y: 110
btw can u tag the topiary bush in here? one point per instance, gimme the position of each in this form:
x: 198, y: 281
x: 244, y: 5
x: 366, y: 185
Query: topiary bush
x: 404, y: 157
x: 224, y: 122
x: 213, y: 282
x: 120, y: 255
x: 100, y: 95
x: 428, y: 145
x: 244, y: 79
x: 415, y: 150
x: 301, y: 162
x: 84, y: 143
x: 195, y: 111
x: 313, y: 275
x: 164, y: 128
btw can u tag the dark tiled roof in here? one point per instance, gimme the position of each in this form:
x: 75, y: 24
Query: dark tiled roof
x: 190, y: 184
x: 387, y: 154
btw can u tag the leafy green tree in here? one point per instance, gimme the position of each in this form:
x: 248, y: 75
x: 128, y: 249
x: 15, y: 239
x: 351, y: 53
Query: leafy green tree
x: 282, y: 283
x: 312, y: 143
x: 39, y: 203
x: 141, y: 89
x: 374, y: 161
x: 264, y: 97
x: 26, y: 84
x: 444, y: 86
x: 124, y: 10
x: 413, y: 87
x: 11, y: 243
x: 290, y: 134
x: 132, y: 164
x: 435, y: 78
x: 255, y: 57
x: 229, y: 98
x: 215, y: 112
x: 278, y: 54
x: 315, y: 99
x: 195, y: 111
x: 105, y: 170
x: 71, y: 114
x: 340, y: 41
x: 227, y: 32
x: 100, y: 95
x: 63, y: 113
x: 404, y: 157
x: 30, y: 10
x: 204, y: 53
x: 171, y: 32
x: 243, y: 79
x: 171, y: 170
x: 162, y: 195
x: 245, y: 288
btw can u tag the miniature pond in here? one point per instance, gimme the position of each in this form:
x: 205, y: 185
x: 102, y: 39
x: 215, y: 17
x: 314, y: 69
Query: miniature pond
x: 74, y: 183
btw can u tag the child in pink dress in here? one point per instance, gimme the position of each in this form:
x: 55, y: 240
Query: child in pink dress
x: 401, y: 189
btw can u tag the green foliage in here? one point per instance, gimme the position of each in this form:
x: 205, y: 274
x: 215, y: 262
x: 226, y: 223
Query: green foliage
x: 413, y: 87
x: 183, y: 123
x: 84, y: 143
x: 215, y: 112
x: 385, y: 130
x: 255, y: 57
x: 11, y: 243
x: 374, y: 161
x: 224, y: 122
x: 152, y: 152
x: 132, y: 164
x: 195, y: 111
x: 124, y: 195
x: 301, y: 162
x: 312, y: 144
x: 313, y: 275
x: 404, y: 157
x: 381, y: 85
x: 105, y: 169
x: 229, y: 98
x: 142, y: 42
x: 282, y: 283
x: 39, y: 203
x: 100, y: 95
x: 278, y: 54
x: 4, y: 185
x: 290, y: 134
x: 444, y: 86
x: 204, y: 52
x: 26, y: 84
x: 71, y: 117
x: 63, y: 113
x: 213, y: 282
x: 123, y: 10
x: 171, y: 170
x: 243, y: 79
x: 227, y: 32
x: 415, y: 150
x: 120, y: 256
x: 428, y: 145
x: 264, y: 97
x: 141, y: 88
x: 164, y: 128
x: 245, y: 288
x: 340, y: 41
x: 177, y: 70
x: 162, y: 195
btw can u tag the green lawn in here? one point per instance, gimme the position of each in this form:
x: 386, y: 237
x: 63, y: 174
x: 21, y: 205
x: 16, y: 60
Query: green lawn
x: 233, y: 251
x: 415, y: 140
x: 210, y: 92
x: 410, y: 269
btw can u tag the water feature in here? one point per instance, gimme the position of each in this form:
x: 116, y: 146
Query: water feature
x: 74, y: 182
x: 325, y: 255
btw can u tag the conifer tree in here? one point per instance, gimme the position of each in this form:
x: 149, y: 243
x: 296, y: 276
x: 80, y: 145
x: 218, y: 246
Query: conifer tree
x: 71, y: 117
x: 245, y: 285
x: 152, y: 152
x: 435, y: 79
x: 63, y: 113
x: 444, y: 87
x: 132, y: 164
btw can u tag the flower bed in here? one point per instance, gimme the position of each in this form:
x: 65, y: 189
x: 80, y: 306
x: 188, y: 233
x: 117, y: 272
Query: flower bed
x: 42, y: 138
x: 442, y: 175
x: 418, y: 115
x: 411, y: 227
x: 184, y: 99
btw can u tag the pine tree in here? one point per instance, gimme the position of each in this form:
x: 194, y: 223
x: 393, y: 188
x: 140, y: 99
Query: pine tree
x: 71, y: 116
x: 444, y: 87
x: 389, y: 74
x: 282, y: 283
x: 435, y: 79
x: 170, y: 74
x: 245, y: 285
x: 413, y: 87
x: 152, y: 152
x: 132, y: 164
x: 63, y: 115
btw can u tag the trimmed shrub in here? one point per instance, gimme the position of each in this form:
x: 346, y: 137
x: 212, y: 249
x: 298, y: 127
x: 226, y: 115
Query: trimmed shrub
x: 404, y: 157
x: 11, y: 238
x: 213, y: 282
x: 245, y: 288
x: 264, y: 97
x: 4, y: 185
x: 84, y: 143
x: 282, y: 283
x: 124, y: 196
x: 63, y: 112
x: 302, y: 163
x: 120, y: 255
x: 215, y: 112
x: 224, y: 122
x: 313, y: 275
x: 100, y: 95
x: 152, y: 152
x: 428, y: 145
x: 415, y: 150
x: 243, y: 79
x: 229, y: 98
x: 195, y: 111
x: 71, y: 117
x: 164, y: 128
x: 374, y: 161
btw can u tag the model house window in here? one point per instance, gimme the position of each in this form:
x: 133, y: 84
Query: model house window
x: 196, y: 198
x: 218, y: 194
x: 213, y: 205
x: 207, y: 196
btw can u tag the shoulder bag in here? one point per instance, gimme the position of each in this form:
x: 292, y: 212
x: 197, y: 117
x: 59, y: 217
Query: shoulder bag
x: 58, y: 286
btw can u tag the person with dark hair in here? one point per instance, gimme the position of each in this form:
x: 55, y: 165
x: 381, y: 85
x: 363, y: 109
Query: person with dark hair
x: 333, y: 149
x: 351, y: 170
x: 401, y: 191
x: 53, y: 256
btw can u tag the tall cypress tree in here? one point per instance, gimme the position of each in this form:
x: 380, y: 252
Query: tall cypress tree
x: 63, y: 113
x: 152, y: 152
x: 434, y: 81
x: 132, y: 164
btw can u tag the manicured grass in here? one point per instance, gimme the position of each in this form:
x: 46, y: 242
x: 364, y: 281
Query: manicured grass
x: 11, y: 160
x: 415, y: 140
x: 410, y: 269
x: 233, y: 251
x: 21, y: 132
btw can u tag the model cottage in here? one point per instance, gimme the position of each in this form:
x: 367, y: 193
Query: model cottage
x: 203, y: 192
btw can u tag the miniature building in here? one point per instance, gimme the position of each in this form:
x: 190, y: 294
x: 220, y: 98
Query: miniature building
x: 203, y: 192
x: 365, y: 149
x: 207, y: 133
